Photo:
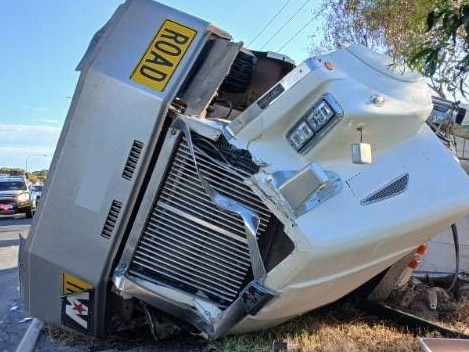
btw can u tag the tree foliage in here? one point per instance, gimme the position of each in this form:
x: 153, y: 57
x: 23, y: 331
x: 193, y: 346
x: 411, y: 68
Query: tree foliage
x: 382, y: 25
x: 429, y: 35
x: 445, y: 53
x: 38, y: 176
x: 16, y: 171
x: 33, y: 177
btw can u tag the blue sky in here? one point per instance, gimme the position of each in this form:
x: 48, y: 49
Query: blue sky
x: 43, y: 41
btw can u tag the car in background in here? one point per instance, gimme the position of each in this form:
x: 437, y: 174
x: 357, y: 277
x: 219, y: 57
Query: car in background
x: 16, y: 196
x: 37, y: 190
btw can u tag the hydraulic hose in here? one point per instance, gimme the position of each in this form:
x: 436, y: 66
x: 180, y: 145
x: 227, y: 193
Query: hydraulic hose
x: 454, y: 229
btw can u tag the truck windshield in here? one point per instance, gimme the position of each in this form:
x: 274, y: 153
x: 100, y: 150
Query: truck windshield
x: 12, y: 186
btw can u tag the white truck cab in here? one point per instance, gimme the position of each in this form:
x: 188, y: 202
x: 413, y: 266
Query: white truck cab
x: 229, y: 190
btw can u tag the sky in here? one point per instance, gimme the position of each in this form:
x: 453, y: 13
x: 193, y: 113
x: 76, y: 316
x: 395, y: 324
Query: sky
x: 42, y: 42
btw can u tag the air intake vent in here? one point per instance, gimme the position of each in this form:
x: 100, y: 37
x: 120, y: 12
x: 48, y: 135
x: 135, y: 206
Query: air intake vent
x: 111, y: 219
x: 390, y: 190
x: 132, y: 160
x: 190, y: 243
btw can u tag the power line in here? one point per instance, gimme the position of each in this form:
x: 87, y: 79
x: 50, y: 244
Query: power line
x: 271, y: 20
x: 281, y: 28
x: 298, y: 32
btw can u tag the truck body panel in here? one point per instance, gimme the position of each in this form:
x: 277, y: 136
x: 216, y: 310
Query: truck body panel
x: 227, y: 189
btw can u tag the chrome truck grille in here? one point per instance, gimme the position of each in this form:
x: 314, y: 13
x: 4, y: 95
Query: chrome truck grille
x: 189, y: 243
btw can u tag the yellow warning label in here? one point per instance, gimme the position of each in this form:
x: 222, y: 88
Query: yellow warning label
x: 163, y: 55
x: 72, y: 284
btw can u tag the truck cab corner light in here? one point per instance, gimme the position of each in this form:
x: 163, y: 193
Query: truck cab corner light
x: 328, y: 65
x: 422, y: 249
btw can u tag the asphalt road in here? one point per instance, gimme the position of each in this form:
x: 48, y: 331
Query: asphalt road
x: 13, y: 320
x: 10, y: 228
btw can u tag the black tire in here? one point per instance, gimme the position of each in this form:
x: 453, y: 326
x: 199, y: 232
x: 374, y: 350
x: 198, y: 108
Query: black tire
x: 29, y: 213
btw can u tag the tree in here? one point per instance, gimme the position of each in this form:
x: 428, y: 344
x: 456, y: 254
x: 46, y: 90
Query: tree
x: 345, y: 24
x: 384, y: 25
x: 11, y: 171
x: 33, y: 177
x: 398, y: 28
x: 39, y: 176
x: 445, y: 53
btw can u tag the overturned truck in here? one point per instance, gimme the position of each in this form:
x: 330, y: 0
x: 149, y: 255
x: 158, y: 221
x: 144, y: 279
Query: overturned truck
x: 202, y: 185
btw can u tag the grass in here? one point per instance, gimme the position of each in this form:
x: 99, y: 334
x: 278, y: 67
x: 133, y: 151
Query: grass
x: 459, y: 318
x: 339, y: 327
x: 336, y: 328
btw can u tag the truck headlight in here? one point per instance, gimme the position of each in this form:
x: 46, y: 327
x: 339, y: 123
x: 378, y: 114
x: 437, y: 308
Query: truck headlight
x: 23, y: 197
x: 300, y: 135
x: 320, y: 115
x: 315, y: 123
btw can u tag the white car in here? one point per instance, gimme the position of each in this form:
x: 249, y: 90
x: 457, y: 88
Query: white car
x: 16, y: 196
x: 37, y: 189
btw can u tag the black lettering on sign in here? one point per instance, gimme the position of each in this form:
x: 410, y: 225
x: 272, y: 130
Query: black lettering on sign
x: 178, y: 38
x: 152, y: 73
x: 168, y: 48
x: 157, y: 59
x: 163, y: 56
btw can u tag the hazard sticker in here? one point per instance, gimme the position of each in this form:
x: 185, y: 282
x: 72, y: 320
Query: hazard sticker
x: 71, y: 284
x: 77, y: 302
x: 77, y: 310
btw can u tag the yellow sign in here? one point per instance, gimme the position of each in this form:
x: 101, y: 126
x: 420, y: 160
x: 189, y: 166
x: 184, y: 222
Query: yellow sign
x: 72, y: 284
x: 163, y: 55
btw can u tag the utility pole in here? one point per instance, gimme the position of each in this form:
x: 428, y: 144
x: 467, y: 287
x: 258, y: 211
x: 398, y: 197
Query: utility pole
x: 30, y: 156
